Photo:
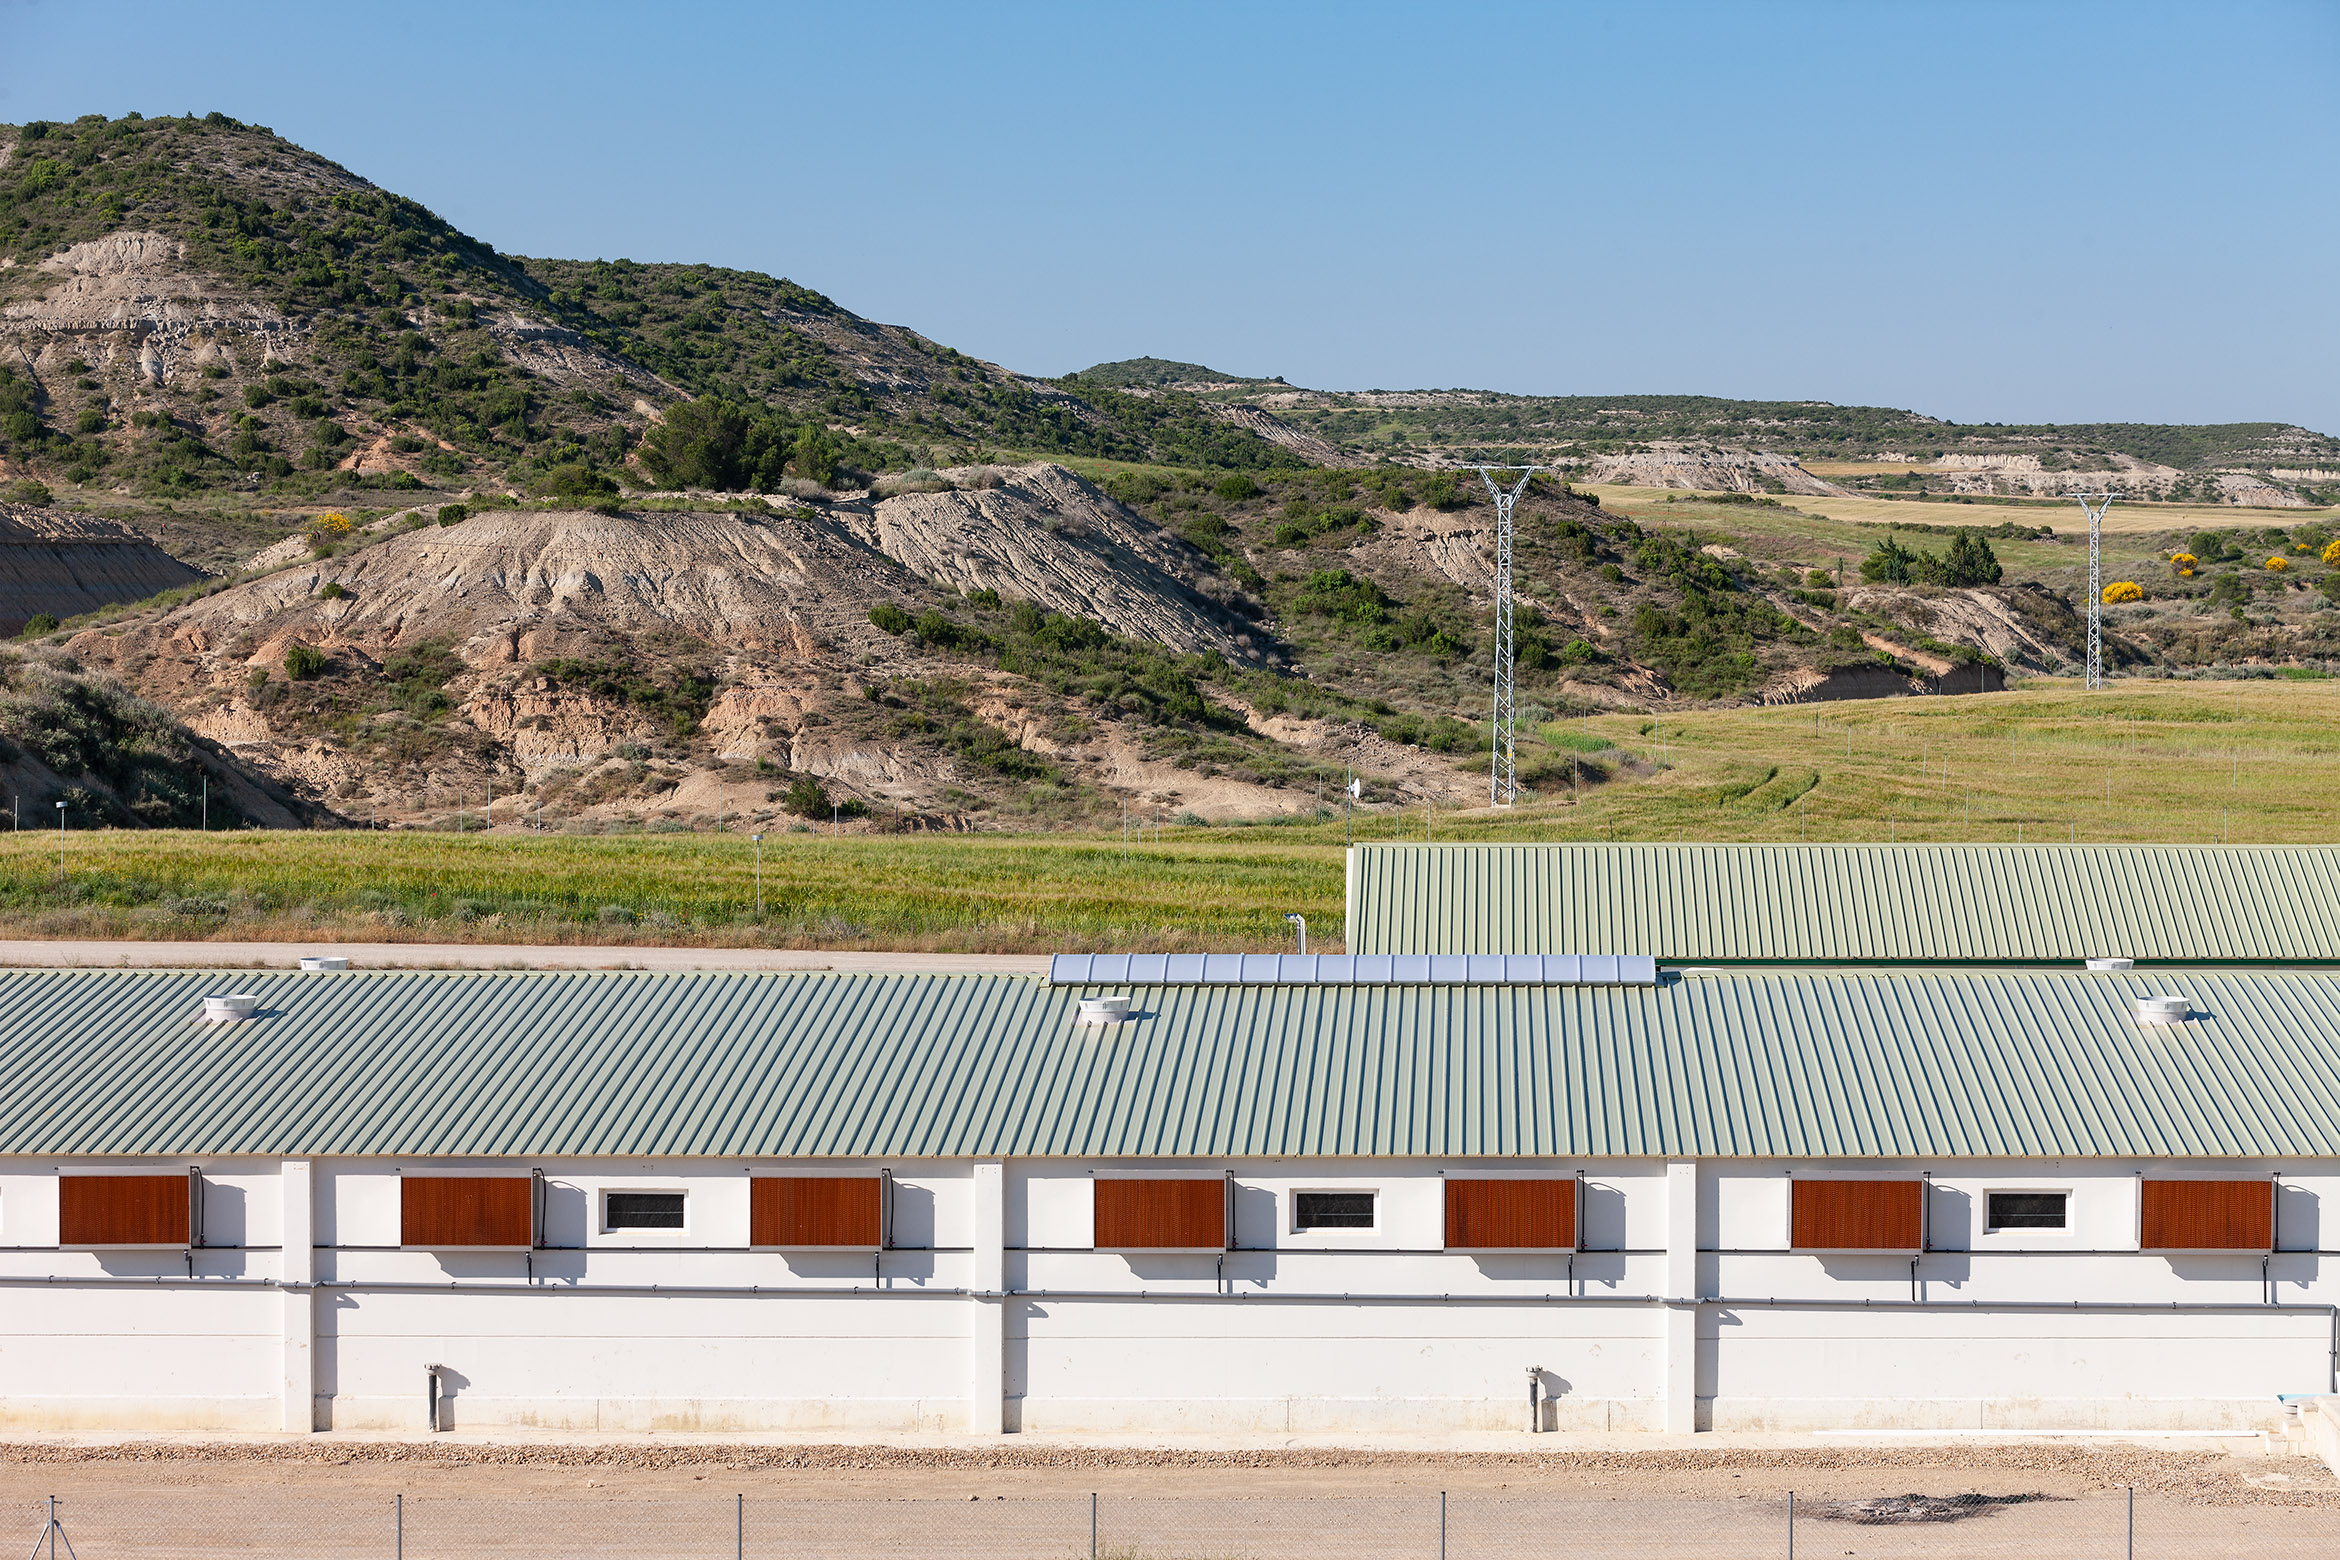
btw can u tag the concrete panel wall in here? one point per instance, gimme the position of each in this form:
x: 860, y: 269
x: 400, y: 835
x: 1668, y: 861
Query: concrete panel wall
x: 75, y: 1358
x: 1273, y: 1368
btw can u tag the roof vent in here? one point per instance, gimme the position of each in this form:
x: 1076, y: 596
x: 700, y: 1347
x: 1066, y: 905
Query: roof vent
x: 2163, y: 1010
x: 2112, y: 964
x: 1103, y: 1010
x: 324, y: 961
x: 229, y: 1010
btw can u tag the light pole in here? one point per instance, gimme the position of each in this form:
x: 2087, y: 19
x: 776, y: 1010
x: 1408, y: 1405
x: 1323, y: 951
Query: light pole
x: 759, y: 839
x: 60, y: 844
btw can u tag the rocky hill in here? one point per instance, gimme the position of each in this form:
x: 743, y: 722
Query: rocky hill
x: 981, y: 646
x: 1761, y: 446
x: 191, y: 305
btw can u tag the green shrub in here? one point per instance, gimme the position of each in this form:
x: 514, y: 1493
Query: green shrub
x: 30, y: 492
x: 333, y: 591
x: 38, y: 624
x: 453, y: 514
x: 1890, y: 564
x: 1302, y: 525
x: 891, y: 618
x: 302, y: 661
x: 1970, y: 561
x: 1237, y: 489
x: 577, y: 482
x: 806, y: 797
x: 1342, y: 596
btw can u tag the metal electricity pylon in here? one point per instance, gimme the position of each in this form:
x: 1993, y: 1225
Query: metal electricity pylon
x: 1503, y: 783
x: 2095, y: 504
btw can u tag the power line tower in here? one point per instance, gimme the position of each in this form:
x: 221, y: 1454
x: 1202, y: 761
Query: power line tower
x: 2095, y: 504
x: 1503, y: 783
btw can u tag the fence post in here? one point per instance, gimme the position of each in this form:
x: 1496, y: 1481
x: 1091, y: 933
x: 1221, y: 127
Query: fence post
x: 1791, y: 1554
x: 1092, y: 1525
x: 2132, y: 1551
x: 739, y: 1527
x: 1442, y: 1525
x: 398, y: 1506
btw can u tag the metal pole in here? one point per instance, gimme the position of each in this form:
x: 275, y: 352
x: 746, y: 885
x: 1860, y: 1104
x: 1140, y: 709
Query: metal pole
x: 1791, y: 1554
x: 1441, y: 1525
x: 400, y: 1508
x: 207, y: 801
x: 2132, y: 1553
x: 739, y: 1527
x: 1092, y: 1525
x: 60, y: 844
x: 759, y: 877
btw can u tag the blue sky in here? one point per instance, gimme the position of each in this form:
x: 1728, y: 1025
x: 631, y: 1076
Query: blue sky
x: 1989, y: 212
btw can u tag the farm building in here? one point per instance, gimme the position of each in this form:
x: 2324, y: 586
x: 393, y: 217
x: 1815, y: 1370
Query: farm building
x: 1786, y: 905
x: 1381, y: 1193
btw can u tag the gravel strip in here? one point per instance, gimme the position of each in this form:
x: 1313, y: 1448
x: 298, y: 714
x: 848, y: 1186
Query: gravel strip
x: 2193, y: 1478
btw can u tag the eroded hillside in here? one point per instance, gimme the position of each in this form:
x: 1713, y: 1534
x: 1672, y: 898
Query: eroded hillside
x: 196, y: 305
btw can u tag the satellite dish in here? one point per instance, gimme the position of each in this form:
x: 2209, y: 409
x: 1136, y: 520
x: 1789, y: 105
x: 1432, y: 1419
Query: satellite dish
x: 1356, y: 788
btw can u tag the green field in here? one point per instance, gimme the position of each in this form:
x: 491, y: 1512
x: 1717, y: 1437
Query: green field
x: 2252, y: 762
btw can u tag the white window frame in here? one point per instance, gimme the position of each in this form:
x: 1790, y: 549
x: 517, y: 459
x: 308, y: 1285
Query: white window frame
x: 603, y: 1227
x: 2013, y: 1234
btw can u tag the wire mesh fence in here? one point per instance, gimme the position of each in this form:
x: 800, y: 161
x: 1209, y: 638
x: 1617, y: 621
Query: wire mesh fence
x: 286, y: 1525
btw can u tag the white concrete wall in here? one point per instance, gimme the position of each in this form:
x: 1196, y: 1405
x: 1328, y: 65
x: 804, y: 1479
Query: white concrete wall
x: 1684, y: 1307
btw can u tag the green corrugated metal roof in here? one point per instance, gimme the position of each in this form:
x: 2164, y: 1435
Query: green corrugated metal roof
x: 416, y: 1063
x: 1852, y: 904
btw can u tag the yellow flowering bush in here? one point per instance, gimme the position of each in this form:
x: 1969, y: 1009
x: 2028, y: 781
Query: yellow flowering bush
x: 2278, y: 565
x: 2332, y: 551
x: 328, y: 528
x: 2183, y: 562
x: 2124, y: 590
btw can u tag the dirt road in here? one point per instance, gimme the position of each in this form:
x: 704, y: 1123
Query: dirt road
x: 326, y: 1497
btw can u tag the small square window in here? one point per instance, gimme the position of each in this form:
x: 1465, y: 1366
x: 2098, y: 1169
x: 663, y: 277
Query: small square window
x: 642, y: 1210
x: 2025, y: 1210
x: 1333, y: 1211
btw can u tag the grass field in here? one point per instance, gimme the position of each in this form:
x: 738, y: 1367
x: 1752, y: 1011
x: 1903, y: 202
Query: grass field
x: 2250, y: 762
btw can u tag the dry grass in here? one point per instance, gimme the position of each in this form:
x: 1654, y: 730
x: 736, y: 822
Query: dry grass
x: 2125, y: 518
